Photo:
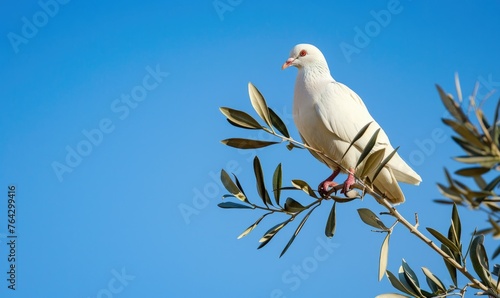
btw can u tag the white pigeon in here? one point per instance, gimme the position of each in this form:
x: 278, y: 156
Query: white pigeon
x: 328, y: 116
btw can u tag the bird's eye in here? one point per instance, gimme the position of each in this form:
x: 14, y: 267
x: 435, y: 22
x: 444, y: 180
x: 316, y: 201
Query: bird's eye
x: 303, y: 53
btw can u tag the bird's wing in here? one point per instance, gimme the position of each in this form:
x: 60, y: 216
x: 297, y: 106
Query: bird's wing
x: 343, y: 112
x: 313, y: 153
x: 387, y: 184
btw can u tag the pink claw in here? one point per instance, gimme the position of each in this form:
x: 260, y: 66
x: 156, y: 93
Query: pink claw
x: 324, y: 186
x: 348, y: 182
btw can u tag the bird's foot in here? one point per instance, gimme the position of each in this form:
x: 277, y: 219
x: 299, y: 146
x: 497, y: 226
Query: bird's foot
x: 349, y: 182
x: 325, y: 186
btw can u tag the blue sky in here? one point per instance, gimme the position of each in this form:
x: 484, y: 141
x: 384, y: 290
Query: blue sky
x: 110, y: 127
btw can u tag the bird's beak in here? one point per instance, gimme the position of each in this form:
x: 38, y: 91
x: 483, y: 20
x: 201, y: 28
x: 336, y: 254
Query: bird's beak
x: 288, y: 63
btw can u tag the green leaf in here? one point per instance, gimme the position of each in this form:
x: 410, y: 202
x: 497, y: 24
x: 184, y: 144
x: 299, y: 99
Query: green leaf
x: 369, y: 218
x: 384, y: 162
x: 495, y: 226
x: 277, y: 183
x: 484, y: 231
x: 457, y: 86
x: 293, y: 206
x: 278, y: 123
x: 492, y: 206
x: 331, y: 222
x: 456, y: 227
x: 237, y: 125
x: 259, y: 104
x: 453, y: 194
x: 483, y: 123
x: 470, y: 172
x: 247, y: 231
x: 369, y: 147
x: 492, y: 184
x: 240, y: 118
x: 448, y: 177
x: 434, y: 282
x: 464, y: 133
x: 479, y: 260
x: 480, y: 181
x: 410, y: 273
x: 239, y: 185
x: 451, y: 105
x: 231, y: 186
x: 261, y: 187
x: 372, y: 162
x: 496, y: 253
x: 484, y: 120
x: 397, y: 284
x: 360, y: 133
x: 496, y: 270
x: 272, y: 232
x: 231, y: 205
x: 486, y: 161
x: 343, y: 200
x: 468, y: 147
x: 494, y: 133
x: 246, y: 143
x: 461, y: 187
x: 451, y: 269
x: 443, y: 240
x: 297, y: 231
x: 250, y: 228
x: 384, y: 253
x: 300, y: 184
x: 409, y: 282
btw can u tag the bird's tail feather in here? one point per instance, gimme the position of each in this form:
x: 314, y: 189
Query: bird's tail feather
x: 403, y: 172
x: 387, y: 184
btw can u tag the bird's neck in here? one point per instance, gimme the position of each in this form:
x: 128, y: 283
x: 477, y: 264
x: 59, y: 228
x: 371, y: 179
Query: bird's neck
x: 319, y: 68
x: 313, y: 78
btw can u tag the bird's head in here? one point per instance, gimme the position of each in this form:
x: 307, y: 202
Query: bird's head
x: 304, y: 55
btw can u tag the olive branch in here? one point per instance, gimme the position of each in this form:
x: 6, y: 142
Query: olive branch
x: 481, y: 142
